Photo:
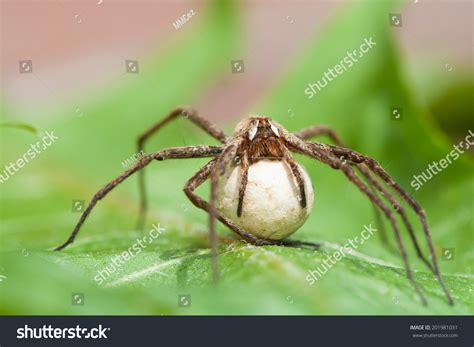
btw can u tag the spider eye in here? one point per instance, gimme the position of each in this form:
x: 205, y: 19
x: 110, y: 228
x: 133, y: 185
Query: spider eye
x: 275, y: 129
x: 253, y: 130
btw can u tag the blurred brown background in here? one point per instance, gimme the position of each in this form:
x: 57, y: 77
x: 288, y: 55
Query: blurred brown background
x: 76, y: 45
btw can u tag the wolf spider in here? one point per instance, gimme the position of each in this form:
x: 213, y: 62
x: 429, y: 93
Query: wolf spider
x: 256, y: 138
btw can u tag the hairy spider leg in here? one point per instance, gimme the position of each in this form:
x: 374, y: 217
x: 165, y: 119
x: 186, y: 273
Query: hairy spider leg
x: 244, y: 171
x: 317, y: 130
x: 170, y: 153
x: 195, y: 118
x: 375, y: 167
x: 335, y: 162
x: 331, y: 155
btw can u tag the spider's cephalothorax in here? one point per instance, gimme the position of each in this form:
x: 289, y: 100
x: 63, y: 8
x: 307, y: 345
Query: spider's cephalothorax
x: 258, y: 141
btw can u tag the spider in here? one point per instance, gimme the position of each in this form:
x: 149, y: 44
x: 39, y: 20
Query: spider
x: 257, y: 138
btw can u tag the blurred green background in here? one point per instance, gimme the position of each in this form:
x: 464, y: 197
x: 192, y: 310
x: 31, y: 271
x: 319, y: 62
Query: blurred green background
x: 36, y: 202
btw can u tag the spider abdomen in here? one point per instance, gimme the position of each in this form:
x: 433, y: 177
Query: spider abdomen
x: 271, y: 205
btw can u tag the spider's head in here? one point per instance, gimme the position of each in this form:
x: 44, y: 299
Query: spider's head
x: 257, y: 127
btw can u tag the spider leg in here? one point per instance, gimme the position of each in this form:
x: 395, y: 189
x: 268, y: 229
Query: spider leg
x: 317, y: 130
x: 295, y: 170
x: 228, y: 154
x: 324, y: 130
x: 244, y: 170
x: 170, y: 153
x: 317, y: 150
x: 380, y: 172
x: 190, y: 114
x: 349, y: 172
x: 401, y: 210
x: 333, y: 160
x: 221, y: 163
x: 199, y: 178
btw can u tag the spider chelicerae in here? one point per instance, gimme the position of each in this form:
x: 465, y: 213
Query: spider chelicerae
x: 261, y: 138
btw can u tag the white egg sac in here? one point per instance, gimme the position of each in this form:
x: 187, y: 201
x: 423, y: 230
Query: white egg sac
x: 271, y: 207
